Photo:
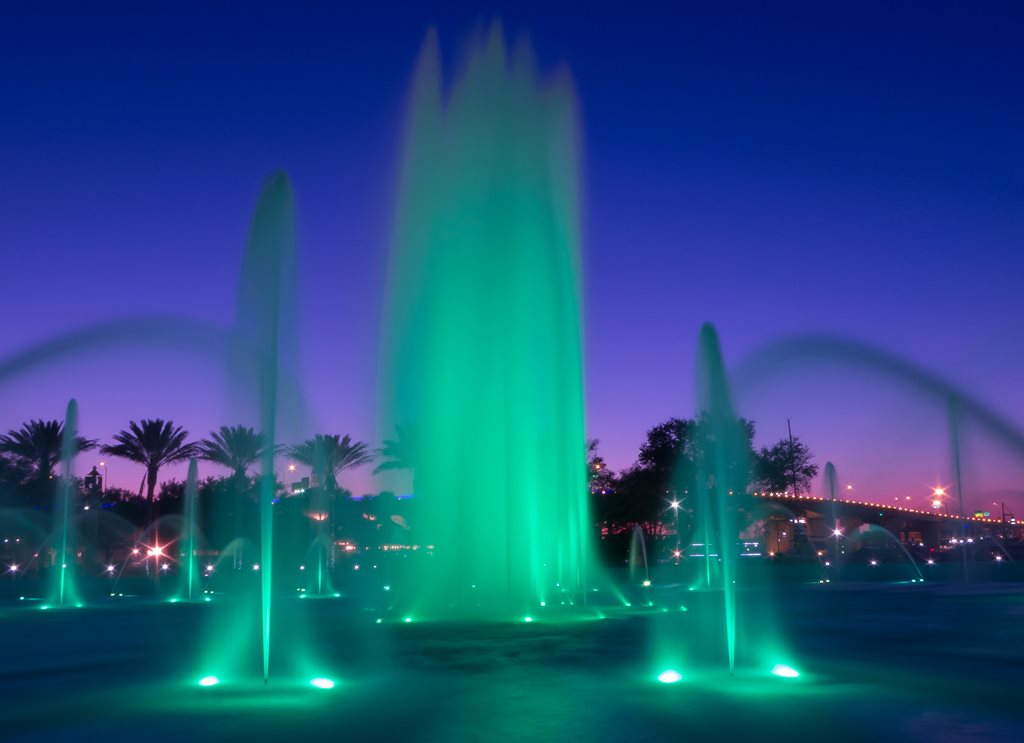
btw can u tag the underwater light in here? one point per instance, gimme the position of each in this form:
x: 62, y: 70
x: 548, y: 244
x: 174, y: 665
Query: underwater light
x: 407, y: 620
x: 646, y: 584
x: 670, y: 677
x: 527, y: 619
x: 322, y: 683
x: 784, y: 671
x: 209, y: 681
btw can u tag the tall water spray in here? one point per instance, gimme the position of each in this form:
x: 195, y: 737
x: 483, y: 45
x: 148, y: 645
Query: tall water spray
x: 191, y: 514
x: 830, y: 484
x: 723, y: 474
x: 65, y: 589
x: 257, y: 367
x: 482, y: 349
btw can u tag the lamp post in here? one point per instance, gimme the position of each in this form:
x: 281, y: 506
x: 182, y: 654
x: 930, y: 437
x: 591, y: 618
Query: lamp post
x: 106, y: 476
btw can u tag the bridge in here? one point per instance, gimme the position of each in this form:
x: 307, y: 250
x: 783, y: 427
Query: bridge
x: 800, y: 518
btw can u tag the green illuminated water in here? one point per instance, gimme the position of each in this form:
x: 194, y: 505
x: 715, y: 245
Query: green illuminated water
x: 264, y: 305
x: 64, y: 561
x: 725, y: 473
x: 269, y: 250
x: 191, y: 496
x: 830, y: 483
x: 482, y: 349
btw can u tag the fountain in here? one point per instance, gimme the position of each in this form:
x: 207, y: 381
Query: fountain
x: 483, y: 335
x: 837, y: 532
x: 638, y: 557
x: 65, y: 588
x: 481, y: 356
x: 191, y: 573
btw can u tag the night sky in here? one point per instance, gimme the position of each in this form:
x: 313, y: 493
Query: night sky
x: 856, y: 171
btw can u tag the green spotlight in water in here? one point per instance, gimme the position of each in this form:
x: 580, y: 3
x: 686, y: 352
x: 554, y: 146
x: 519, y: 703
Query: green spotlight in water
x: 322, y: 683
x: 670, y: 677
x: 784, y: 671
x: 407, y: 620
x: 527, y: 619
x: 209, y: 681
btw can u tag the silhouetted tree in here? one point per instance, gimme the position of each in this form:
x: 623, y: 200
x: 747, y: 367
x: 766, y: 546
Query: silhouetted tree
x: 153, y: 444
x: 235, y: 447
x: 399, y: 452
x: 785, y: 465
x: 329, y: 455
x: 38, y: 446
x: 600, y: 479
x: 672, y: 458
x: 13, y: 474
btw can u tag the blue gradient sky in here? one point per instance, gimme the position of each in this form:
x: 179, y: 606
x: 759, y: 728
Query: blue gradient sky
x: 857, y: 171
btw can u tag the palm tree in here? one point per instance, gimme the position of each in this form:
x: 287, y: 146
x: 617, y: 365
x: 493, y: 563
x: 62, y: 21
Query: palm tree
x: 235, y: 447
x: 152, y: 443
x: 328, y: 455
x: 37, y: 446
x: 399, y: 451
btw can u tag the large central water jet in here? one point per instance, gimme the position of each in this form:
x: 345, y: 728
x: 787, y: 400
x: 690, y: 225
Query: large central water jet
x: 482, y: 354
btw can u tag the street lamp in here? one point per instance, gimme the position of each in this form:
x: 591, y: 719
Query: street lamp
x: 106, y: 475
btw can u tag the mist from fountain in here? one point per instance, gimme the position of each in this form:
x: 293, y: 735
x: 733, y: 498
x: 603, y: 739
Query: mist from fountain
x: 482, y: 348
